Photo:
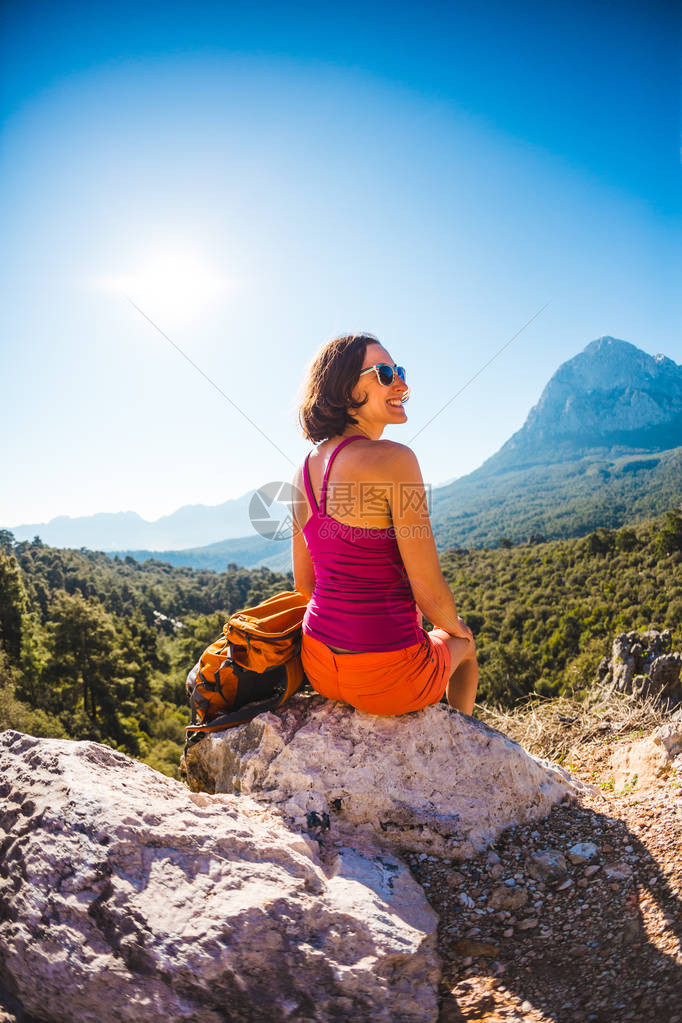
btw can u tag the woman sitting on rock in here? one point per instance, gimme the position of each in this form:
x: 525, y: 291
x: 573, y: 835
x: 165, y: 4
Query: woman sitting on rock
x: 363, y: 549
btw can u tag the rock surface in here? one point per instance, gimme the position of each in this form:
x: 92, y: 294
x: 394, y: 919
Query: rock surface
x: 124, y: 897
x: 602, y: 944
x: 641, y: 762
x: 643, y: 664
x: 434, y: 781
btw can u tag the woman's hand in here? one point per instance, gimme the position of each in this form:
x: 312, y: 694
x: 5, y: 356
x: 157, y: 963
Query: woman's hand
x: 464, y: 632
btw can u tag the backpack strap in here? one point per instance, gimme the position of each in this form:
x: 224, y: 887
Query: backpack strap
x: 323, y: 494
x: 293, y: 674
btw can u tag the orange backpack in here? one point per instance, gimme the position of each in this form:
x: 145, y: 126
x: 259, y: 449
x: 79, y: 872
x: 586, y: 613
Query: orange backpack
x: 253, y: 667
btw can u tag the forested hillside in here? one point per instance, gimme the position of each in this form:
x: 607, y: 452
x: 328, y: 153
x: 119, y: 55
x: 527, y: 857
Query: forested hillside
x: 544, y: 614
x: 557, y: 500
x: 92, y: 648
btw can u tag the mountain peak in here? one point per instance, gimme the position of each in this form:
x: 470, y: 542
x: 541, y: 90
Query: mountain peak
x: 607, y: 347
x: 606, y: 339
x: 605, y: 365
x: 612, y: 395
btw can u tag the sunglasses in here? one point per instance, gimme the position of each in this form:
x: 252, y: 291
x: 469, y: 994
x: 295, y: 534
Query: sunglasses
x: 386, y: 373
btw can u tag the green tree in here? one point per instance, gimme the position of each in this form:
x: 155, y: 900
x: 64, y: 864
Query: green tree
x: 670, y: 536
x: 22, y: 716
x: 626, y: 539
x: 600, y: 542
x: 85, y: 671
x: 508, y: 674
x: 565, y: 640
x: 6, y: 541
x: 13, y: 605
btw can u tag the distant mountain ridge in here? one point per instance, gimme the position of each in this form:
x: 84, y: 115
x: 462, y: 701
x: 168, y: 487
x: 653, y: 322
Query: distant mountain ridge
x: 558, y: 501
x: 602, y: 447
x: 248, y: 552
x: 584, y: 457
x: 189, y: 526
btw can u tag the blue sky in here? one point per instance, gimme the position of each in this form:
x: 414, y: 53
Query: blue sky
x: 259, y: 180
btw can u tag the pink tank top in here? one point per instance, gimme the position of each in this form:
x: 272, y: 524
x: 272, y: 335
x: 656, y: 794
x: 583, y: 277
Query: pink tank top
x: 362, y: 599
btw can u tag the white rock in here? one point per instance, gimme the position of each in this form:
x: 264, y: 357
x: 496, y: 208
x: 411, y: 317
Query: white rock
x: 669, y: 737
x: 124, y: 897
x: 581, y: 852
x: 641, y: 763
x: 434, y: 780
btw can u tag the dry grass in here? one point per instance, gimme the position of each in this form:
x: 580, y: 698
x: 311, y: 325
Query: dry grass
x: 551, y: 727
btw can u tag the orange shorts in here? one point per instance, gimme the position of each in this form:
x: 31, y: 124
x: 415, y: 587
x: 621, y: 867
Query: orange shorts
x: 387, y: 682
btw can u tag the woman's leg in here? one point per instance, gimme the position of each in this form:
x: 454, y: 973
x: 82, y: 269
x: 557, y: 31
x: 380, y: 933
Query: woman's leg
x: 463, y: 683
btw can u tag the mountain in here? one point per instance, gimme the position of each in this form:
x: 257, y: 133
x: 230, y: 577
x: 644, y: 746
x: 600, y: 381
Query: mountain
x: 188, y: 526
x: 560, y: 501
x: 556, y: 501
x: 602, y: 447
x: 246, y: 551
x: 611, y: 397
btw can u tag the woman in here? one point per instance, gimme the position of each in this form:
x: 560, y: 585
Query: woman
x: 363, y: 549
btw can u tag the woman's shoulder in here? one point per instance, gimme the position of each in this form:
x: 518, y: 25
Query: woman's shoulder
x: 374, y: 454
x: 397, y: 458
x: 388, y: 454
x: 393, y: 448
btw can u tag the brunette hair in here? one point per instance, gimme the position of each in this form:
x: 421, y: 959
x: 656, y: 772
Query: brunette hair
x: 328, y: 388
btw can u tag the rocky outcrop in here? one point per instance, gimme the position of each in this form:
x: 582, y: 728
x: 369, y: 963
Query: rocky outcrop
x: 272, y: 891
x: 124, y: 897
x: 641, y: 762
x: 435, y: 781
x: 642, y: 664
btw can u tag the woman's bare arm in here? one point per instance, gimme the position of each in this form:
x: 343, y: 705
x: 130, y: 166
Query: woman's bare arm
x: 304, y: 571
x: 410, y: 514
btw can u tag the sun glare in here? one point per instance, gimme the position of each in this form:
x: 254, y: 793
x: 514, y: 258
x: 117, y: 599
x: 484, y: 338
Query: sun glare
x: 174, y: 283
